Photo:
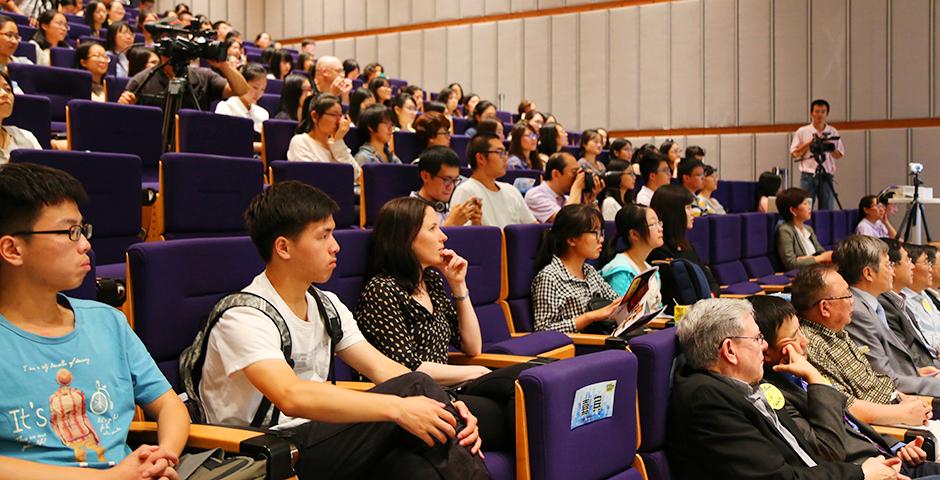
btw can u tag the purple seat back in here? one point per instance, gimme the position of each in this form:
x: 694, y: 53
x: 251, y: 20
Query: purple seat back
x: 512, y: 175
x: 270, y: 102
x: 355, y: 138
x: 725, y: 238
x: 504, y: 117
x: 522, y: 245
x: 655, y: 353
x: 572, y: 149
x: 482, y: 247
x: 843, y: 224
x: 206, y: 195
x: 700, y: 238
x: 754, y: 242
x: 32, y: 112
x: 822, y: 224
x: 407, y: 146
x: 277, y: 135
x: 58, y: 84
x: 743, y: 196
x: 274, y: 86
x: 115, y: 86
x: 382, y: 182
x: 176, y: 284
x: 26, y: 32
x: 460, y: 125
x: 112, y: 182
x: 90, y: 38
x: 204, y: 132
x: 335, y: 179
x: 722, y: 193
x: 116, y: 128
x: 352, y: 266
x: 602, y: 449
x: 459, y: 143
x: 19, y: 19
x: 78, y: 30
x: 62, y: 57
x: 26, y: 50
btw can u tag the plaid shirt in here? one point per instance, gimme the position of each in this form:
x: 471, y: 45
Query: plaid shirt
x: 558, y: 297
x: 841, y: 362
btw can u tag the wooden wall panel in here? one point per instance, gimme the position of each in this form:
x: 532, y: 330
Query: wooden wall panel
x: 593, y: 61
x: 791, y: 61
x: 754, y: 63
x: 887, y: 154
x: 868, y: 78
x: 389, y: 53
x: 536, y: 61
x: 737, y: 157
x: 828, y: 55
x: 458, y: 56
x: 721, y: 79
x: 411, y: 57
x: 624, y: 82
x: 333, y: 16
x: 354, y: 15
x: 686, y: 86
x: 910, y: 53
x: 435, y: 59
x: 510, y: 74
x: 313, y: 17
x: 564, y: 61
x: 483, y: 55
x: 654, y: 59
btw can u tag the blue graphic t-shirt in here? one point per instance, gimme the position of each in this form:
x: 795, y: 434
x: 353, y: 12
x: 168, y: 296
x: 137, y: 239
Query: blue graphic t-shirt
x: 69, y: 400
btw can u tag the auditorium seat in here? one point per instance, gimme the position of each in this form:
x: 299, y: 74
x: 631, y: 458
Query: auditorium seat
x: 114, y: 86
x: 117, y: 128
x: 700, y: 237
x: 512, y: 175
x: 408, y: 146
x: 743, y: 196
x: 461, y: 125
x: 550, y: 448
x: 275, y: 139
x: 78, y: 30
x: 352, y: 266
x: 32, y: 112
x: 504, y: 117
x: 458, y: 143
x: 822, y: 224
x: 725, y: 243
x: 355, y: 138
x: 756, y: 253
x: 206, y: 195
x: 18, y: 18
x: 58, y: 84
x: 26, y: 50
x: 382, y: 182
x: 572, y: 149
x: 723, y: 194
x: 655, y: 353
x: 91, y: 38
x: 335, y: 179
x: 215, y: 134
x: 274, y: 86
x: 112, y: 182
x: 843, y: 224
x: 270, y: 102
x: 65, y: 58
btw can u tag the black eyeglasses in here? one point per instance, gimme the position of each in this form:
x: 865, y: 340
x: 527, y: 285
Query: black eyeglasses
x: 74, y: 232
x: 830, y: 299
x: 448, y: 181
x: 759, y: 338
x: 501, y: 153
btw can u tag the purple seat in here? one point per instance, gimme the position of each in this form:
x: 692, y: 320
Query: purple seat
x: 26, y: 32
x: 114, y: 86
x: 65, y: 58
x: 755, y: 249
x: 522, y: 244
x: 32, y: 112
x: 78, y: 30
x: 655, y: 353
x: 482, y: 247
x: 574, y: 138
x: 843, y: 225
x: 700, y: 238
x: 274, y: 86
x: 255, y: 58
x: 117, y: 128
x: 204, y: 132
x: 206, y: 195
x: 408, y: 146
x: 17, y: 18
x: 275, y: 137
x: 91, y: 38
x: 743, y: 196
x: 460, y: 125
x: 723, y: 193
x: 822, y: 224
x: 572, y: 149
x: 26, y: 50
x: 382, y: 182
x: 113, y: 184
x: 174, y: 286
x: 355, y: 137
x: 725, y: 242
x: 335, y: 179
x: 58, y: 84
x: 504, y: 117
x: 512, y: 175
x: 459, y: 143
x: 352, y: 266
x: 270, y: 102
x: 602, y: 449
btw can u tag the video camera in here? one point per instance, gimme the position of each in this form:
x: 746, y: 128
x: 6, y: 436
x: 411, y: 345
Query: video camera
x: 822, y: 144
x: 182, y: 45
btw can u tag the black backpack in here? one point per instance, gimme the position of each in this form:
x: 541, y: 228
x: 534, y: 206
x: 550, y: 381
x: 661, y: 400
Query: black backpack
x: 194, y: 357
x: 683, y: 283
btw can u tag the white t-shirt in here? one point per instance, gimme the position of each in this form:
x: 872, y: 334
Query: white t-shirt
x: 233, y: 106
x: 609, y: 209
x: 244, y: 336
x: 645, y: 195
x: 18, y: 138
x: 304, y: 148
x: 808, y: 246
x: 500, y: 208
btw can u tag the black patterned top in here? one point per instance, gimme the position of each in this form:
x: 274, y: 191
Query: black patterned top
x: 403, y: 329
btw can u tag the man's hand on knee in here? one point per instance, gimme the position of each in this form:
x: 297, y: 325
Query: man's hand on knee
x: 426, y: 419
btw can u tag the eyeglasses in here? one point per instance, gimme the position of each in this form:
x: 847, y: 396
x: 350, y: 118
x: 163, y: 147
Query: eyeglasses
x: 658, y: 224
x: 665, y: 170
x: 599, y: 234
x: 450, y: 181
x: 331, y: 114
x: 832, y: 299
x: 101, y: 56
x: 12, y: 36
x: 501, y: 153
x: 759, y: 338
x: 64, y: 25
x: 532, y: 136
x: 443, y: 133
x: 75, y: 232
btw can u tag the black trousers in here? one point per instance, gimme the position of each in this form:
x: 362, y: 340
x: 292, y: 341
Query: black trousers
x: 492, y: 399
x: 383, y: 449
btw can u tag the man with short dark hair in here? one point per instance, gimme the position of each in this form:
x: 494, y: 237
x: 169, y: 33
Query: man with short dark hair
x: 821, y: 192
x: 655, y: 171
x: 406, y: 426
x: 439, y: 168
x: 692, y: 175
x: 562, y: 184
x: 58, y: 353
x: 502, y: 203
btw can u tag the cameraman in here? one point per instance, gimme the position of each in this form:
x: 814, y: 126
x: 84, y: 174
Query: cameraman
x: 800, y: 150
x: 563, y: 184
x: 207, y: 86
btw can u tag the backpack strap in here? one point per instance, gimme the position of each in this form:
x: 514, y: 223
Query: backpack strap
x: 333, y: 324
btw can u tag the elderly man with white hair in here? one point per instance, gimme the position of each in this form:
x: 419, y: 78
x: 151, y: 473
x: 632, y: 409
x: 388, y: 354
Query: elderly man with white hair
x: 329, y: 78
x: 721, y: 423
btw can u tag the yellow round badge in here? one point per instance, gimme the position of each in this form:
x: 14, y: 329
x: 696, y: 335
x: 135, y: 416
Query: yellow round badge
x: 773, y: 395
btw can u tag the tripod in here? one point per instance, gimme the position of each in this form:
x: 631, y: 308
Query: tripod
x: 824, y: 179
x: 914, y: 210
x: 178, y: 87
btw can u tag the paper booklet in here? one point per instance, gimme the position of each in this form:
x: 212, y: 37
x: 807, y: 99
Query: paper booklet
x: 632, y: 314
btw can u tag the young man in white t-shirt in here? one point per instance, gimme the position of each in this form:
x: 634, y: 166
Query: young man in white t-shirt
x: 404, y: 426
x: 502, y: 203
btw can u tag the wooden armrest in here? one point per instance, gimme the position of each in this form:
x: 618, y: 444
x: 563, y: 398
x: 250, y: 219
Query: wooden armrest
x: 357, y: 386
x: 200, y: 436
x: 659, y: 323
x: 492, y: 360
x: 587, y: 339
x: 896, y: 432
x: 773, y: 288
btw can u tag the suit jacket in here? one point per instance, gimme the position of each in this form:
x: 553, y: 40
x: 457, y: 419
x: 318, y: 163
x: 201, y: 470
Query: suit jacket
x: 790, y: 246
x: 902, y: 324
x: 714, y: 432
x: 818, y: 413
x: 886, y: 352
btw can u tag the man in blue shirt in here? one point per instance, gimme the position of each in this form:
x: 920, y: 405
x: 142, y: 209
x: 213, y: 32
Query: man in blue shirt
x: 73, y: 370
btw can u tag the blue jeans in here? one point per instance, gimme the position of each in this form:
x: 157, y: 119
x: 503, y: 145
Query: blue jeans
x: 823, y: 196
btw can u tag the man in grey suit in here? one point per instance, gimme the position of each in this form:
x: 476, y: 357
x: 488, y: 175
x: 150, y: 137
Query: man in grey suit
x: 863, y: 263
x: 900, y: 318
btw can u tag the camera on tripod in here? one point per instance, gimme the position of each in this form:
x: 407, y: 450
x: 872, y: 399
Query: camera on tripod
x: 822, y: 145
x: 183, y: 45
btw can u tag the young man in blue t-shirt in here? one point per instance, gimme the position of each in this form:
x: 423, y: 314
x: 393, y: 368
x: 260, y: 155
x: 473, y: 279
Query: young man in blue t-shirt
x: 72, y: 369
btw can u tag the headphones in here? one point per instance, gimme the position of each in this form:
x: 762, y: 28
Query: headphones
x: 438, y: 206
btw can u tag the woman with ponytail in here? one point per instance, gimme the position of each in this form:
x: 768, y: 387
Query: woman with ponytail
x: 566, y: 286
x: 639, y: 231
